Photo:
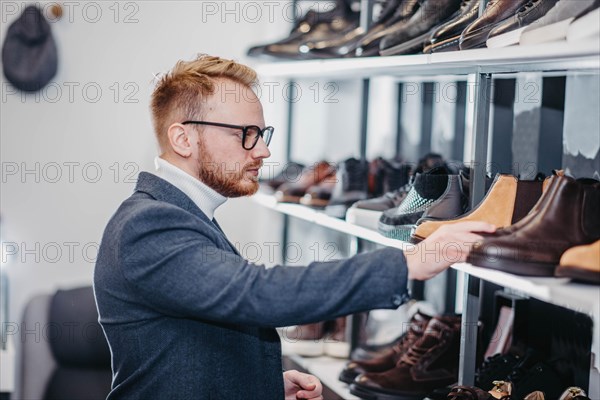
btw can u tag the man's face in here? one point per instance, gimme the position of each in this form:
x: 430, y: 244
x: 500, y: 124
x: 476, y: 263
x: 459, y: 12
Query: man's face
x: 223, y: 164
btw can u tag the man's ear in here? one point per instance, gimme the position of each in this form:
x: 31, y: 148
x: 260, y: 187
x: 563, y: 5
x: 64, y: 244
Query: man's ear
x: 179, y: 140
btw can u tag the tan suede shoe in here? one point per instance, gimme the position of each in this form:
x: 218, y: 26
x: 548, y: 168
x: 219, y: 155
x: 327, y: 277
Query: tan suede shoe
x: 507, y: 201
x: 581, y: 263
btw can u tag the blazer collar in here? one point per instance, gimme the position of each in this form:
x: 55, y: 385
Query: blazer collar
x: 162, y: 190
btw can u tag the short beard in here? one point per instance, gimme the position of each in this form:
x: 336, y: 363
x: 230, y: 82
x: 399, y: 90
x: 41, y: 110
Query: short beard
x: 228, y: 183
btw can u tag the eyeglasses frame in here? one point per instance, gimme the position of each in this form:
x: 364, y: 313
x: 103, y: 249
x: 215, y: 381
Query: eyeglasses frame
x: 243, y: 128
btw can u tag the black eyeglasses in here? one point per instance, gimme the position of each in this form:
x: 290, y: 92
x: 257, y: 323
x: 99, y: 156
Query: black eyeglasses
x: 250, y: 133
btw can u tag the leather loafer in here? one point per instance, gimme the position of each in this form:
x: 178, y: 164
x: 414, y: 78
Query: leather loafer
x: 475, y: 35
x: 446, y: 36
x: 411, y: 36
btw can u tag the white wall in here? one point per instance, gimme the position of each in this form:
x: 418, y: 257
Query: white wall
x: 51, y: 215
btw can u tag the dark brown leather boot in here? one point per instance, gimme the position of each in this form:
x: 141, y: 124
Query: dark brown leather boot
x: 568, y: 216
x: 430, y: 363
x: 389, y: 359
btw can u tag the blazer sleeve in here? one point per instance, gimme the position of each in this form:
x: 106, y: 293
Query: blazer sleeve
x: 177, y: 269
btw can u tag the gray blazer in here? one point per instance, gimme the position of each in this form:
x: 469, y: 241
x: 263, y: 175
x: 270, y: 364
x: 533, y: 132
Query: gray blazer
x: 187, y: 318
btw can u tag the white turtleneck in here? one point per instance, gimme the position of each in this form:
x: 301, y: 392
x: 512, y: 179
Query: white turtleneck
x: 203, y: 196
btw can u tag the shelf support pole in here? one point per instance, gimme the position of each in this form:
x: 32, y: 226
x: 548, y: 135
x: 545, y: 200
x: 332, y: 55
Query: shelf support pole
x: 483, y: 96
x: 469, y: 332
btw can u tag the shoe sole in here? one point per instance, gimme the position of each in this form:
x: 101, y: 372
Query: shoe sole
x: 506, y: 39
x: 336, y: 349
x: 578, y: 274
x: 416, y: 239
x: 305, y: 348
x: 523, y: 268
x: 399, y: 232
x: 363, y: 217
x: 314, y: 203
x: 337, y: 211
x: 347, y: 377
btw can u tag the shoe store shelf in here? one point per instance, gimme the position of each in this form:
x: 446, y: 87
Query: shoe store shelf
x: 320, y: 218
x: 543, y: 57
x: 559, y: 291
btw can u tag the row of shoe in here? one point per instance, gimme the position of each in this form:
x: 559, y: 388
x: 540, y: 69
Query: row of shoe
x: 503, y: 391
x: 549, y: 228
x: 546, y: 227
x: 335, y: 187
x: 511, y: 377
x: 423, y: 362
x: 430, y: 26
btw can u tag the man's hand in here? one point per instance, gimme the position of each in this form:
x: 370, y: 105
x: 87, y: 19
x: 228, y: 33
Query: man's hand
x: 301, y: 386
x: 448, y: 245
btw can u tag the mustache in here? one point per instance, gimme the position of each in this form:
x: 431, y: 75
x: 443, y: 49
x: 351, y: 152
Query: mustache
x: 257, y: 165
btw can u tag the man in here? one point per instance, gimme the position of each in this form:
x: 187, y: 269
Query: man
x: 185, y: 316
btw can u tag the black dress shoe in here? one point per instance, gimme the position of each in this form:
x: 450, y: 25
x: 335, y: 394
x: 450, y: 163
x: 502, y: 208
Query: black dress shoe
x: 445, y: 37
x: 314, y: 26
x: 411, y: 37
x: 475, y: 35
x: 340, y: 25
x: 345, y: 45
x: 508, y: 32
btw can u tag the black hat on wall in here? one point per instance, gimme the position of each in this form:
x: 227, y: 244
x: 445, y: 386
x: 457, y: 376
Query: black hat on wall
x: 29, y: 56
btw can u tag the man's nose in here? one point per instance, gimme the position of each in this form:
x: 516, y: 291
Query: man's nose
x: 261, y: 150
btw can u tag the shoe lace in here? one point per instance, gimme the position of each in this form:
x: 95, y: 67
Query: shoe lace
x: 409, y: 337
x: 413, y: 355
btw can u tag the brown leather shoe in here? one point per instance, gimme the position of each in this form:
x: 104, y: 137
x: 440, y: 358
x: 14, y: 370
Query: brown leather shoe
x: 389, y: 359
x: 291, y: 192
x: 318, y: 196
x: 507, y: 202
x: 568, y: 216
x: 431, y: 362
x: 476, y: 34
x: 581, y: 263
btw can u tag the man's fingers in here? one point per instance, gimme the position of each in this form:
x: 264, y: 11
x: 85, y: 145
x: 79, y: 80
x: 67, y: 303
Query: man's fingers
x: 305, y: 381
